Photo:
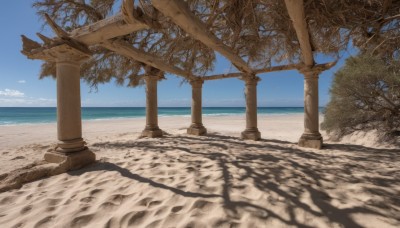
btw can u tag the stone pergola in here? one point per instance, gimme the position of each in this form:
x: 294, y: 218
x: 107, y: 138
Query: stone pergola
x: 69, y: 49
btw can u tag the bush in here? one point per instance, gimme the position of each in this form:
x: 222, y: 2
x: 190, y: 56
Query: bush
x: 365, y: 95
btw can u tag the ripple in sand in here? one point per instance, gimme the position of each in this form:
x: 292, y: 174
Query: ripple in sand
x: 7, y: 200
x: 28, y: 197
x: 108, y: 206
x: 145, y: 201
x: 52, y: 202
x: 26, y: 209
x: 18, y: 225
x: 84, y: 208
x: 154, y: 203
x: 82, y: 220
x: 203, y: 205
x: 117, y: 199
x: 196, y: 224
x: 17, y: 158
x: 96, y: 192
x: 225, y: 223
x: 87, y: 199
x: 162, y: 211
x: 112, y: 222
x: 132, y: 219
x: 155, y: 223
x: 51, y: 209
x: 176, y: 209
x: 45, y: 222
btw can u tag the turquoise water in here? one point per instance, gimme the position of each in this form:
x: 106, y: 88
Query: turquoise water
x: 11, y: 116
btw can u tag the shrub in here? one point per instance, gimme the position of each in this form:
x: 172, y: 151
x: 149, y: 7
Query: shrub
x: 365, y: 95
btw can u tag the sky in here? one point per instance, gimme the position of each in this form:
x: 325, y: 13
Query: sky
x: 20, y: 85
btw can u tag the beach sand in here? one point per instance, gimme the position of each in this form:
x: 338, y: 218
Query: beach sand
x: 216, y: 180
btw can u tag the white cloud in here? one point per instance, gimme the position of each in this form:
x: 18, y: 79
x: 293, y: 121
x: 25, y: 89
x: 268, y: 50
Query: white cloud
x: 26, y: 102
x: 21, y: 81
x: 11, y: 93
x: 12, y: 101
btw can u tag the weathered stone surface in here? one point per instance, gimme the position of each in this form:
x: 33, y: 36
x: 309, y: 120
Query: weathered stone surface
x: 311, y: 137
x: 251, y: 131
x: 71, y: 161
x: 152, y: 132
x: 311, y: 141
x: 69, y: 146
x: 251, y: 134
x: 196, y: 129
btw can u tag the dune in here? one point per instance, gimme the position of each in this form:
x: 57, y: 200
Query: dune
x: 216, y: 180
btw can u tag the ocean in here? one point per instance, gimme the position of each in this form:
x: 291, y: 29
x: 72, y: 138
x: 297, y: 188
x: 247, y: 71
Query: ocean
x: 20, y: 115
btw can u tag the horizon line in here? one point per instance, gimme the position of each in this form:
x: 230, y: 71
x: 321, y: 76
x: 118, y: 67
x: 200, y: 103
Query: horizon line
x: 158, y: 107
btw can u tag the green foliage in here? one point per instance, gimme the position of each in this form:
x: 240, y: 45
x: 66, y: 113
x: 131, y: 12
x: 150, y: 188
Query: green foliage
x: 171, y: 45
x: 365, y: 95
x: 71, y: 14
x: 260, y: 32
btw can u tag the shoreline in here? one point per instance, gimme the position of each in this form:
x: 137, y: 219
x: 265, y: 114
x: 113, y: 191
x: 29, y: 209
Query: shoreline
x: 159, y: 116
x: 32, y: 140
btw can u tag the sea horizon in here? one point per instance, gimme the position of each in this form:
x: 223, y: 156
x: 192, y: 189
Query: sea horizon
x: 40, y: 115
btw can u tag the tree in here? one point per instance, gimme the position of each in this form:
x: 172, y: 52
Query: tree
x: 170, y: 45
x: 365, y: 95
x: 259, y: 31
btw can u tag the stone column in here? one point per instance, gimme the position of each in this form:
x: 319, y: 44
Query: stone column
x: 311, y: 137
x: 196, y: 128
x: 251, y: 131
x: 151, y: 130
x: 70, y: 147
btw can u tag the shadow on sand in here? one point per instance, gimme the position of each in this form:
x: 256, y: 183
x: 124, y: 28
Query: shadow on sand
x: 280, y: 168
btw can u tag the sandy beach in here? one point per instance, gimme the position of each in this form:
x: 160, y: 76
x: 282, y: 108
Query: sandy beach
x: 216, y: 180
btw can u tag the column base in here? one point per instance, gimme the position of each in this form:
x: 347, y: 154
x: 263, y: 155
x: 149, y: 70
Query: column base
x: 69, y: 146
x: 73, y: 160
x: 154, y: 132
x: 197, y: 129
x: 251, y: 134
x: 311, y: 141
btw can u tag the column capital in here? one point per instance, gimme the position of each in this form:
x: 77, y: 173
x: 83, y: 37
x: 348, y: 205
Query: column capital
x: 56, y: 50
x: 251, y: 79
x: 196, y: 83
x: 64, y: 53
x: 153, y: 73
x: 149, y: 77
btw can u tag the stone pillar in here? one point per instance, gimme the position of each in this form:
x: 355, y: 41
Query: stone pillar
x: 311, y: 137
x: 151, y: 130
x: 196, y: 128
x: 251, y: 131
x: 70, y: 147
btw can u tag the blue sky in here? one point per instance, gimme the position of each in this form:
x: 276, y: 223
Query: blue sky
x: 20, y: 86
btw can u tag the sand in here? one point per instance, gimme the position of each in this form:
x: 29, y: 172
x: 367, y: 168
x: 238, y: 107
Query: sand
x: 217, y: 180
